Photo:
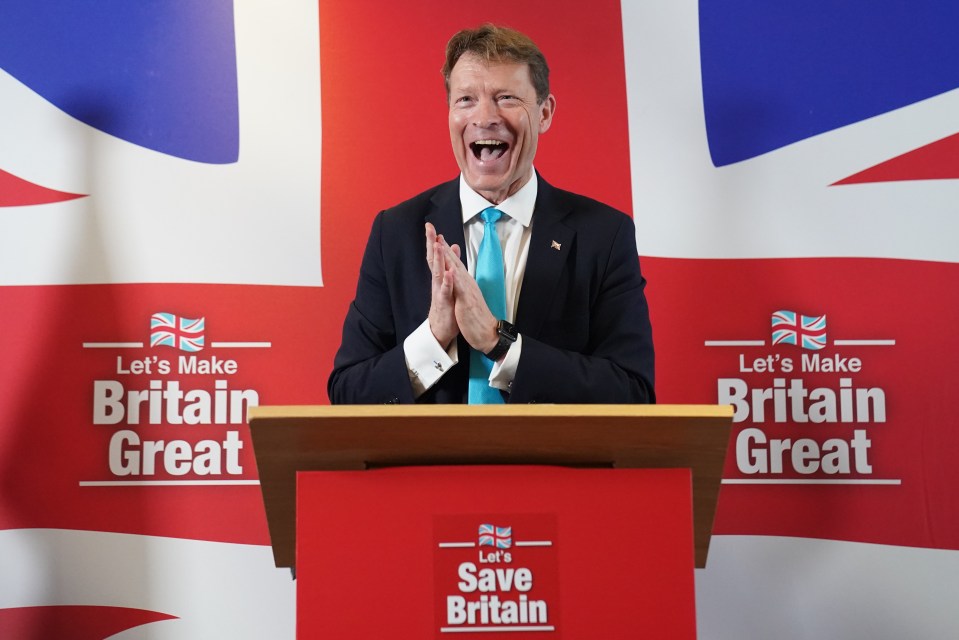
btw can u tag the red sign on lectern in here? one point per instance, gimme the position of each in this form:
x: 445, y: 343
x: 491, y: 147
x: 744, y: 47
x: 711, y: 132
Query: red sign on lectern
x: 538, y: 553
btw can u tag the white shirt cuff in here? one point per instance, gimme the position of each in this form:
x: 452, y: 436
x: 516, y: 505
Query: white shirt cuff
x: 426, y: 360
x: 501, y: 377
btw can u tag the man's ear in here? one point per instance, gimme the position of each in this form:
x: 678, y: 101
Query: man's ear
x: 546, y: 110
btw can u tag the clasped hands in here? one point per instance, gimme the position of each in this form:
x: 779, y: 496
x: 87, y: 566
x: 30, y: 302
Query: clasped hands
x: 456, y: 304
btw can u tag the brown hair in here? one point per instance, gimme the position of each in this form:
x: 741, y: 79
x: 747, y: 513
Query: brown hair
x: 499, y: 44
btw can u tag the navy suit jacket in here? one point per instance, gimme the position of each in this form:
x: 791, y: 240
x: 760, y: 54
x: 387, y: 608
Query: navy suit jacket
x: 582, y: 309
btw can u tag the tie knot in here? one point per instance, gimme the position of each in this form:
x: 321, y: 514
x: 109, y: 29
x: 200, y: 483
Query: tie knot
x: 491, y: 215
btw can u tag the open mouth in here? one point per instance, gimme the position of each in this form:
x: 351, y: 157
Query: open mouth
x: 486, y: 150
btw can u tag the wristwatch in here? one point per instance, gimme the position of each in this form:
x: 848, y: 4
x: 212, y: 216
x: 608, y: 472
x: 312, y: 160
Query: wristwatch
x: 507, y: 336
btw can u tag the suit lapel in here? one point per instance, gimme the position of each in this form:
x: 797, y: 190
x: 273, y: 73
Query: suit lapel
x: 446, y: 215
x: 549, y: 249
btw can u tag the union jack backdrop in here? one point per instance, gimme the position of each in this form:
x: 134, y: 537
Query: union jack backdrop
x: 184, y: 164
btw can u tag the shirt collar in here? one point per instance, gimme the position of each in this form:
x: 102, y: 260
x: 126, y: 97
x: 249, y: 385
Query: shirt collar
x: 518, y: 206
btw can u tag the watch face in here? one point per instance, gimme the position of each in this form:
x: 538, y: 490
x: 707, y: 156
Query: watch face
x: 507, y: 336
x: 506, y: 330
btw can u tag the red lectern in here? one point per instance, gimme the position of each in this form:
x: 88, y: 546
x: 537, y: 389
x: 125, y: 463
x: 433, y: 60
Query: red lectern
x: 554, y: 521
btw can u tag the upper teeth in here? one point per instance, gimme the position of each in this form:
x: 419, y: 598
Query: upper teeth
x: 491, y: 142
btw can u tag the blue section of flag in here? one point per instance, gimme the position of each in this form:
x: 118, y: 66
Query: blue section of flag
x: 775, y: 73
x: 160, y: 74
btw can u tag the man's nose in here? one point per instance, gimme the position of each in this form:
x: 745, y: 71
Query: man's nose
x: 487, y: 113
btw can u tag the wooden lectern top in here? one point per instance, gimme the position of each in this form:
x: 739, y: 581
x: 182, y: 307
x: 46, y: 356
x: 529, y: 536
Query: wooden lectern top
x: 288, y: 439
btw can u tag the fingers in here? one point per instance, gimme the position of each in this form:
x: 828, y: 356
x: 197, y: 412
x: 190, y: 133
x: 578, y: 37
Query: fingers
x: 437, y: 261
x: 441, y: 315
x: 436, y: 246
x: 430, y: 242
x: 450, y: 278
x: 448, y: 285
x: 473, y: 317
x: 451, y: 254
x: 431, y: 239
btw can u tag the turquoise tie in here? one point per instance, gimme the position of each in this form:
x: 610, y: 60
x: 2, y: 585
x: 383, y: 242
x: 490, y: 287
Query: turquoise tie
x: 490, y: 276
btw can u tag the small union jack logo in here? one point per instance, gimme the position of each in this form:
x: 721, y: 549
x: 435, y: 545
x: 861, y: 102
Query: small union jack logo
x: 185, y: 334
x: 492, y: 536
x: 809, y: 332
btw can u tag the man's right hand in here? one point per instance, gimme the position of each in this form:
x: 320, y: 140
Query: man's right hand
x: 441, y: 317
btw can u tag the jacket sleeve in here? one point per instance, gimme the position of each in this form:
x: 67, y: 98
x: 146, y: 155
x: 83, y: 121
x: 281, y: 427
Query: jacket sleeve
x: 370, y: 365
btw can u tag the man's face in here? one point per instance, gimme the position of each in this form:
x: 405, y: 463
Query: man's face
x: 495, y: 124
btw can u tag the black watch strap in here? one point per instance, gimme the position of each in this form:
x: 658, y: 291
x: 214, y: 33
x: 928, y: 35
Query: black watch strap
x: 507, y: 336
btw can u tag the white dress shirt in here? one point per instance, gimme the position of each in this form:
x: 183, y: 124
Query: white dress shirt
x: 426, y: 359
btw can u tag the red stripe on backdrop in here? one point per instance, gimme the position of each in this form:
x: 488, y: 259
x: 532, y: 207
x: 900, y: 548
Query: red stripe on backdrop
x: 75, y: 622
x: 385, y: 131
x: 17, y: 192
x: 937, y: 160
x: 911, y: 303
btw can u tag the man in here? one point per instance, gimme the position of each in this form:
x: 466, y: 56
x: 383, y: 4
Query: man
x: 568, y: 323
